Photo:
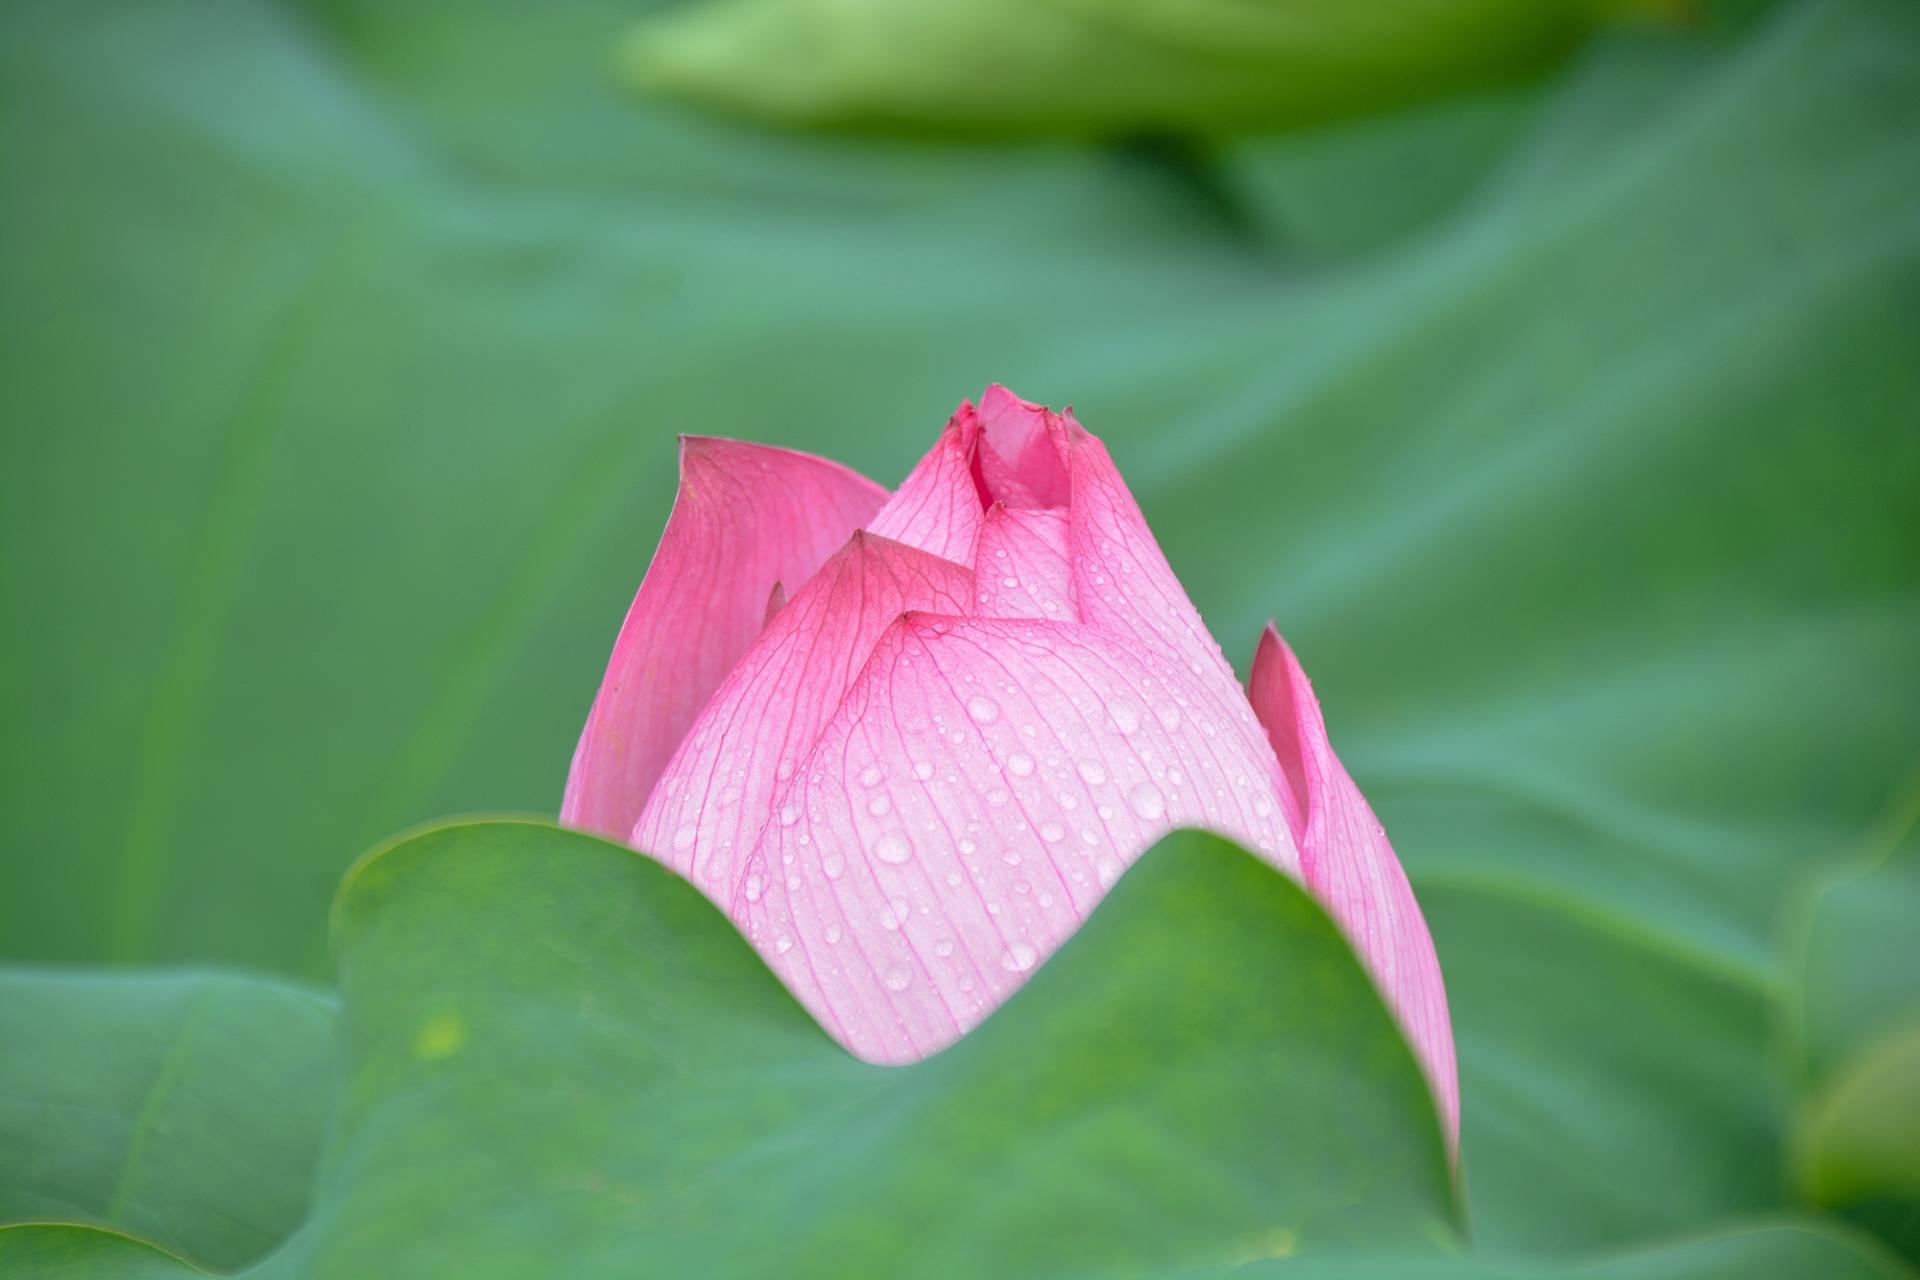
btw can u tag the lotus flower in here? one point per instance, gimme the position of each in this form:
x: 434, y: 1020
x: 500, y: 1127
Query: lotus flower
x: 907, y: 742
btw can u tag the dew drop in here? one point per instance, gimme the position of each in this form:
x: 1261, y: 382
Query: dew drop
x: 1169, y: 716
x: 783, y: 944
x: 1147, y: 801
x: 755, y: 887
x: 893, y: 848
x: 871, y: 775
x: 879, y: 804
x: 833, y: 864
x: 1126, y: 716
x: 1052, y: 832
x: 1019, y: 764
x: 1019, y: 958
x: 898, y: 977
x: 789, y: 814
x: 1108, y: 869
x: 943, y: 948
x: 683, y: 838
x: 1091, y: 773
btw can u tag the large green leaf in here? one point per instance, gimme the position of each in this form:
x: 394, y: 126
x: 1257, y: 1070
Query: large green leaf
x: 564, y: 1057
x: 183, y: 1109
x: 341, y: 345
x: 561, y: 1058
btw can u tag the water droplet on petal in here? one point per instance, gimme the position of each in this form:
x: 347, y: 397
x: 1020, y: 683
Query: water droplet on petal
x: 871, y: 775
x: 893, y: 848
x: 1019, y: 958
x: 683, y: 838
x: 1108, y: 869
x: 789, y: 814
x: 833, y: 864
x: 1052, y: 832
x: 923, y: 770
x: 1169, y: 715
x: 783, y: 944
x: 879, y: 804
x: 898, y: 977
x: 1126, y: 716
x: 1019, y: 764
x: 1091, y: 773
x: 1147, y: 801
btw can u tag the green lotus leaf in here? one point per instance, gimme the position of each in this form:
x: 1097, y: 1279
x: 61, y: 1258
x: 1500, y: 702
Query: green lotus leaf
x: 184, y: 1109
x: 559, y: 1051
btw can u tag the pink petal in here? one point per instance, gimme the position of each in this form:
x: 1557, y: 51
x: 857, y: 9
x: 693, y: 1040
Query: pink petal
x: 1021, y: 569
x: 982, y: 785
x: 717, y: 794
x: 1122, y: 581
x: 1023, y: 449
x: 938, y: 508
x: 1347, y: 863
x: 747, y: 517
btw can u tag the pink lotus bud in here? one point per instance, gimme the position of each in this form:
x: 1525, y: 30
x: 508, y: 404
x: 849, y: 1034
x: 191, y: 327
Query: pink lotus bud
x: 909, y: 742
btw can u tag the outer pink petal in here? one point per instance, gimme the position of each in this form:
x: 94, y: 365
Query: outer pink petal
x: 716, y: 796
x: 938, y: 508
x: 1021, y: 567
x: 983, y: 784
x: 1121, y: 577
x: 1347, y: 863
x: 747, y: 517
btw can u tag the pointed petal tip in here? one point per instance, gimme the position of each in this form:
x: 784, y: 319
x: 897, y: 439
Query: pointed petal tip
x: 718, y: 453
x: 1351, y: 868
x: 745, y: 517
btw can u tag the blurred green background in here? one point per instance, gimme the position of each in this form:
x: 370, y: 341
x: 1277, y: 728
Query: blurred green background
x: 1559, y: 396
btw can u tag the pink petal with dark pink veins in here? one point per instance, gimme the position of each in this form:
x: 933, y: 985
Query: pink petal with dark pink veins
x: 1347, y: 863
x: 1021, y: 568
x: 717, y: 794
x: 983, y: 784
x: 938, y: 507
x: 747, y: 517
